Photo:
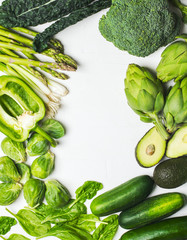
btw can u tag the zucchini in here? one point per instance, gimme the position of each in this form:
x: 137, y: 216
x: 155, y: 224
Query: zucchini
x: 123, y: 197
x: 169, y: 229
x: 151, y: 210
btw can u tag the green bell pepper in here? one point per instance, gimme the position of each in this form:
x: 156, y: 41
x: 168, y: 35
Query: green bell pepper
x: 20, y: 110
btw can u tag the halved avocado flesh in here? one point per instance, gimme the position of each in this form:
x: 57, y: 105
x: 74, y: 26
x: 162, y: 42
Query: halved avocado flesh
x: 150, y: 149
x: 177, y: 145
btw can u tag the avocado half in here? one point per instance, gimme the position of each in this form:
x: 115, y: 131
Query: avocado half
x: 150, y: 149
x: 177, y: 145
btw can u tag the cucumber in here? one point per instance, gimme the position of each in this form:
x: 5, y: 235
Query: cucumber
x: 122, y: 197
x: 151, y: 210
x: 169, y: 229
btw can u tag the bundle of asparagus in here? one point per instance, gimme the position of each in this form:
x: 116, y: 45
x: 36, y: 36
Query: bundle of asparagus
x: 18, y: 58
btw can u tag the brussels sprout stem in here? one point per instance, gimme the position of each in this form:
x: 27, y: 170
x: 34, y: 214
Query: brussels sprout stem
x: 45, y: 135
x: 159, y: 126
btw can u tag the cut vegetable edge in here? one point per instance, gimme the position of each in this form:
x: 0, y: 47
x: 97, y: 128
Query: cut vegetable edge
x: 177, y: 145
x: 150, y: 149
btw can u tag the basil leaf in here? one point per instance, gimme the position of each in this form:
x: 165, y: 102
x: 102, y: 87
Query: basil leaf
x: 87, y: 191
x: 5, y: 224
x: 31, y: 223
x: 67, y: 232
x: 107, y: 231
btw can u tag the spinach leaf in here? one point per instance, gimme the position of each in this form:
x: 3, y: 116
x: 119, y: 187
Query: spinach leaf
x: 53, y: 128
x: 65, y: 214
x: 86, y: 222
x: 31, y: 223
x: 5, y: 224
x: 67, y: 232
x: 24, y: 13
x: 41, y: 40
x: 107, y: 231
x: 17, y: 237
x: 87, y: 191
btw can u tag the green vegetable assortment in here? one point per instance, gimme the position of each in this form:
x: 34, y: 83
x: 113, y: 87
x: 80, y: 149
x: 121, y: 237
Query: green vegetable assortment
x: 29, y: 100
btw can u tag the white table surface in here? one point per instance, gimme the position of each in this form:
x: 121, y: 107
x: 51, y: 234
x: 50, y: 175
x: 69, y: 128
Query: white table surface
x: 102, y: 130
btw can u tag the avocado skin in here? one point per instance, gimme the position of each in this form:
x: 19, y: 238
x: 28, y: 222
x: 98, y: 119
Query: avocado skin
x: 171, y: 173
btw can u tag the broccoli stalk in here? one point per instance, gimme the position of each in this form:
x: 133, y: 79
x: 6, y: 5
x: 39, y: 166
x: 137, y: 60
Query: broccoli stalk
x: 182, y: 7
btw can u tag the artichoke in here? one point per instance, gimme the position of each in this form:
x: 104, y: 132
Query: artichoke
x: 175, y: 109
x: 173, y: 64
x: 145, y: 96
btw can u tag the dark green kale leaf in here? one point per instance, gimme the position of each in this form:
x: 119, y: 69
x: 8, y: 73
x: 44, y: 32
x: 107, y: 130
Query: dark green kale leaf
x: 5, y: 224
x: 24, y: 13
x: 41, y: 40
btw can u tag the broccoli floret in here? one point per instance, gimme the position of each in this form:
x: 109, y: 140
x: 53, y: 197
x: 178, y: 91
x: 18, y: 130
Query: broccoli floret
x: 182, y: 7
x: 140, y: 26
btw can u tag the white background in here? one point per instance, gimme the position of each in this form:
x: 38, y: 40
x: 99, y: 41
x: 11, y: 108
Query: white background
x: 101, y: 129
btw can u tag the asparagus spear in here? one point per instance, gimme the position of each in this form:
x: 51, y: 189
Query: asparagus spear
x: 32, y: 63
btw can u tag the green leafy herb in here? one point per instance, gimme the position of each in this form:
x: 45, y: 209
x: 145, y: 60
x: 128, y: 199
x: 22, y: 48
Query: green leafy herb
x: 107, y: 231
x: 67, y: 232
x: 9, y: 192
x: 24, y: 171
x: 34, y: 192
x: 5, y: 224
x: 14, y: 150
x: 53, y: 128
x: 31, y: 223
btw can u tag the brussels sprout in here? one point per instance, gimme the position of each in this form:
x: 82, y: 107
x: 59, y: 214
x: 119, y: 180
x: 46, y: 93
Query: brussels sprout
x: 9, y: 192
x: 37, y: 145
x: 8, y: 170
x: 43, y: 165
x: 56, y: 194
x: 34, y: 192
x: 14, y: 150
x: 24, y: 171
x: 53, y: 128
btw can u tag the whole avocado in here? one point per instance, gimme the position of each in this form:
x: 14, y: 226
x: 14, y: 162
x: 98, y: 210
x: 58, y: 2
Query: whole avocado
x: 171, y: 173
